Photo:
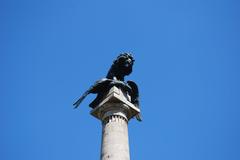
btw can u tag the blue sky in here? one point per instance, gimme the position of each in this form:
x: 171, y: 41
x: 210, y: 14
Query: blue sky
x: 187, y: 68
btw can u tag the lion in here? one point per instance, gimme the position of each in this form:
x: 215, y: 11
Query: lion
x: 120, y: 68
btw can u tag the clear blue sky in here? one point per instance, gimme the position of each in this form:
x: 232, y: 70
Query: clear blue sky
x: 187, y: 67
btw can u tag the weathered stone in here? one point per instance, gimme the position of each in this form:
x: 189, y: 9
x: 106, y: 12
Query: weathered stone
x: 115, y: 102
x: 115, y: 110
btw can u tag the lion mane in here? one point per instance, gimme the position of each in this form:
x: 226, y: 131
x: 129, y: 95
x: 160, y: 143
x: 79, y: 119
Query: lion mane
x: 121, y: 67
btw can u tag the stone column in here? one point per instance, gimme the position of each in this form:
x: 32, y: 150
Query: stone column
x: 115, y: 111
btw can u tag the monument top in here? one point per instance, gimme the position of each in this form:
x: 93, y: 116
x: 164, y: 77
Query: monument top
x: 114, y: 83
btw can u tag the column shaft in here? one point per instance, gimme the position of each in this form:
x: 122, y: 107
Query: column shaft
x: 115, y: 145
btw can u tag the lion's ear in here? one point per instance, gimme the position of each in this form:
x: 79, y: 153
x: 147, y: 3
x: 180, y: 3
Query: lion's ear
x: 115, y: 62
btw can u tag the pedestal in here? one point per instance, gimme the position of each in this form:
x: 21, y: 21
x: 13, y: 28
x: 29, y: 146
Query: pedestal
x: 115, y: 111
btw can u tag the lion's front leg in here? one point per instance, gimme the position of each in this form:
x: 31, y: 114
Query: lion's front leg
x: 121, y: 85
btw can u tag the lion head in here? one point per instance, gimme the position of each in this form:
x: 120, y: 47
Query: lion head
x: 121, y: 67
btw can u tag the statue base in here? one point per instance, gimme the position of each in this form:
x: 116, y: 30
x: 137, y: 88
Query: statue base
x: 116, y: 102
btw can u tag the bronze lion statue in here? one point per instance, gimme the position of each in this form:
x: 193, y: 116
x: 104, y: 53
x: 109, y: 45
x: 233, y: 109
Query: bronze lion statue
x: 120, y: 68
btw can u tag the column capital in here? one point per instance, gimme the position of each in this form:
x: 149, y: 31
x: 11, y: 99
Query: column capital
x: 116, y: 102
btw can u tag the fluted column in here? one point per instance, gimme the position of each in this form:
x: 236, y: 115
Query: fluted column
x: 115, y: 111
x: 115, y: 145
